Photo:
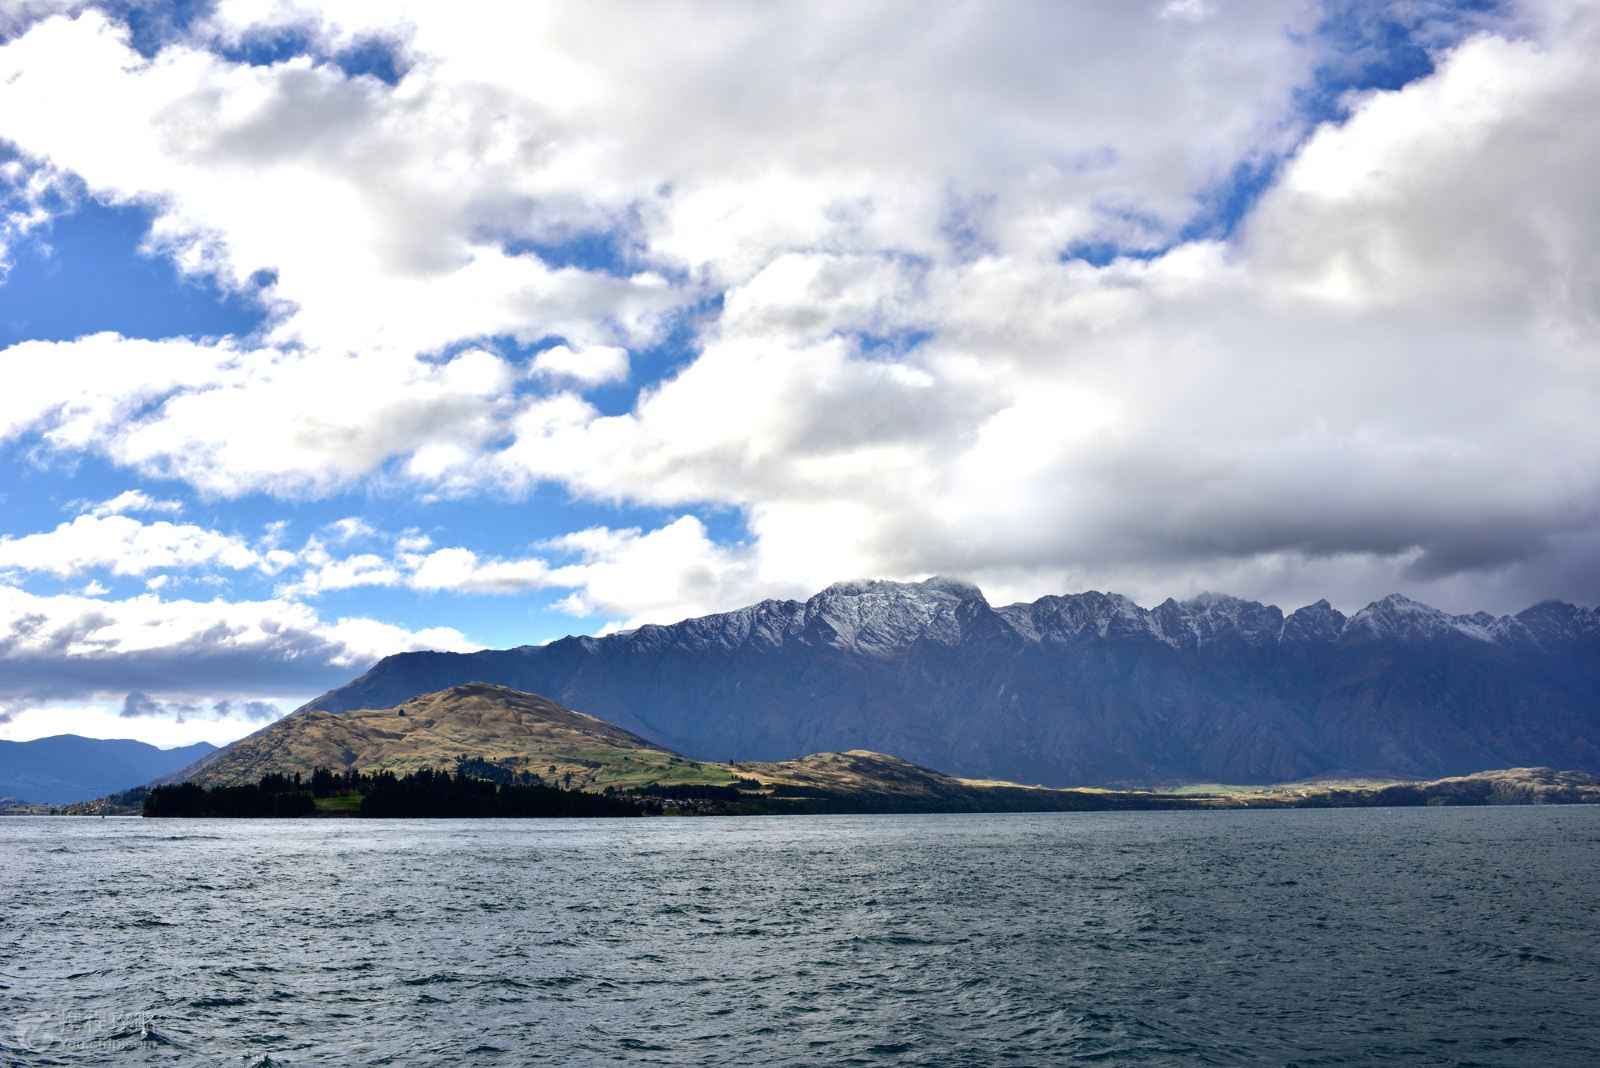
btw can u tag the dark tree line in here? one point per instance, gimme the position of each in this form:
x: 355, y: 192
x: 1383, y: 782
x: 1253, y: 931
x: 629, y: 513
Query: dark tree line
x: 431, y: 794
x: 425, y: 794
x: 274, y: 796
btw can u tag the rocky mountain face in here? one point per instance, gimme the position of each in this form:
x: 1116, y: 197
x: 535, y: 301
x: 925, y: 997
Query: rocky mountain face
x: 1072, y: 690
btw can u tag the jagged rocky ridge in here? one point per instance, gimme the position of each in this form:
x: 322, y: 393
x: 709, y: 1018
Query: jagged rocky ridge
x: 1072, y: 690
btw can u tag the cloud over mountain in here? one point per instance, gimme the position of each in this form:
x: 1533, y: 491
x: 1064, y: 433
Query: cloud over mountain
x: 1290, y: 300
x: 143, y: 649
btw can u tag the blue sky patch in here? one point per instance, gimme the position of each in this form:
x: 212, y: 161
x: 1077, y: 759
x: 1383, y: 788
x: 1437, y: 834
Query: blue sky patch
x: 1362, y: 47
x: 607, y: 251
x: 83, y: 273
x: 370, y: 56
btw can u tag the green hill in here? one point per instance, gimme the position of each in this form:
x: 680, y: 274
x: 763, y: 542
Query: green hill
x: 521, y: 732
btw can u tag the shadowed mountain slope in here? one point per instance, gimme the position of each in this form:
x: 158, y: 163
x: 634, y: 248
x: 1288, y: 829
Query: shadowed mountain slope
x: 521, y: 732
x: 1075, y: 690
x: 66, y: 768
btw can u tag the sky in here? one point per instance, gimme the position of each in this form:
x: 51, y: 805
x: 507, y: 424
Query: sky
x: 335, y: 330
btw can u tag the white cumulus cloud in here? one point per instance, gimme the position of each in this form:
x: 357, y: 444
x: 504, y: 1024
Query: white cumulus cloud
x: 126, y: 546
x: 67, y: 646
x: 592, y: 366
x: 134, y: 501
x: 1383, y: 378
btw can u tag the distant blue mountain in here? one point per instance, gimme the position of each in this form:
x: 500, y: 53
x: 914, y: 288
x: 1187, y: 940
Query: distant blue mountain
x: 67, y: 768
x: 1076, y: 690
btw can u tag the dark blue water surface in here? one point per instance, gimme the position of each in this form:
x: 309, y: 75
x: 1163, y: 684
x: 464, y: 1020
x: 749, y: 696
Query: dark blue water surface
x: 1356, y: 937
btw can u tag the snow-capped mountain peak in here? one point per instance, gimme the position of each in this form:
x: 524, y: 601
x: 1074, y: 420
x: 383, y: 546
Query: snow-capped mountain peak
x: 1552, y: 623
x: 1316, y: 622
x: 1206, y: 618
x: 1398, y: 616
x: 880, y: 615
x: 1078, y: 615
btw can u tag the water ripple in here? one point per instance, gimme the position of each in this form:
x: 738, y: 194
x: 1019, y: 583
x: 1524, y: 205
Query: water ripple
x: 1414, y: 937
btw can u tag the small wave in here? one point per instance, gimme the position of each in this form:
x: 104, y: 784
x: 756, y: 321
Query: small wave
x: 636, y: 1045
x: 147, y: 1033
x: 188, y: 838
x: 896, y: 940
x: 886, y: 1049
x: 436, y: 977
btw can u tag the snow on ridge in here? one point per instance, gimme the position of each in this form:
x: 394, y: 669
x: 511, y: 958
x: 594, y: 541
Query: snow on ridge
x: 880, y: 615
x: 883, y: 616
x: 1318, y: 621
x: 1208, y: 616
x: 1070, y: 615
x: 1398, y: 616
x: 1555, y: 621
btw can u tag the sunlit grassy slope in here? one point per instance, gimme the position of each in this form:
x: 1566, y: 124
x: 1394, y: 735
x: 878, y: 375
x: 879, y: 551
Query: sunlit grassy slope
x: 515, y: 730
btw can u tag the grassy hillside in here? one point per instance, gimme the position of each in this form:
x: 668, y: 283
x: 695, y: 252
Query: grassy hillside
x: 1509, y: 786
x: 860, y: 780
x: 517, y: 731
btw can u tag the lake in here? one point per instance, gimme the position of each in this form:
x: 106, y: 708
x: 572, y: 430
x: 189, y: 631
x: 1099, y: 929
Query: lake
x: 1306, y: 937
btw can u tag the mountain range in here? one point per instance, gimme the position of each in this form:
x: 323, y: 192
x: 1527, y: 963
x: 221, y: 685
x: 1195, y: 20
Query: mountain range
x: 1072, y: 690
x: 66, y: 768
